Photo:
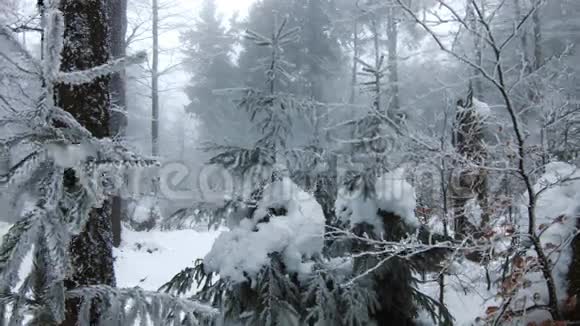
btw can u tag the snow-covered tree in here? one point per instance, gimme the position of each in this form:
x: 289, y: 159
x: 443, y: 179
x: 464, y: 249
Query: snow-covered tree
x: 526, y: 235
x: 385, y: 211
x: 62, y: 177
x: 89, y: 103
x: 271, y: 111
x: 316, y: 55
x: 208, y: 51
x: 471, y: 182
x: 118, y: 16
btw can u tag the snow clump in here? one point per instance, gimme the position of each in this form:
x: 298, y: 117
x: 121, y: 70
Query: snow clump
x: 393, y: 194
x: 287, y: 221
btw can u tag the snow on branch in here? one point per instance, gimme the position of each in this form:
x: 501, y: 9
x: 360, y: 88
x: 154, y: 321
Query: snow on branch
x: 408, y: 248
x: 11, y: 47
x: 89, y: 75
x: 54, y: 35
x: 62, y: 117
x: 24, y: 168
x: 56, y: 142
x: 15, y: 244
x: 129, y: 305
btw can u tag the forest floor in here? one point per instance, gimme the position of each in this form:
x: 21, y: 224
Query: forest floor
x: 150, y: 259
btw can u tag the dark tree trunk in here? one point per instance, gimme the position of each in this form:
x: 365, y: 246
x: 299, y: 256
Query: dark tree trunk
x: 469, y: 182
x: 573, y: 313
x: 87, y: 45
x: 118, y: 23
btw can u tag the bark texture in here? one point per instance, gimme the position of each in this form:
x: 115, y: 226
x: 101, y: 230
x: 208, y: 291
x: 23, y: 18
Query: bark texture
x: 118, y: 123
x: 469, y: 182
x: 87, y: 45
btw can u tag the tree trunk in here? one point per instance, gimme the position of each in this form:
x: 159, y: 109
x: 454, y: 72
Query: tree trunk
x: 118, y: 30
x: 118, y: 23
x: 376, y: 36
x: 477, y: 45
x: 573, y: 313
x: 354, y: 63
x: 470, y: 182
x: 87, y: 45
x: 393, y: 39
x: 524, y: 44
x: 4, y: 168
x: 538, y: 53
x: 155, y: 83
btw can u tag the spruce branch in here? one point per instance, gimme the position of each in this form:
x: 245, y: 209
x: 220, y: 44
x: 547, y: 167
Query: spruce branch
x: 89, y: 75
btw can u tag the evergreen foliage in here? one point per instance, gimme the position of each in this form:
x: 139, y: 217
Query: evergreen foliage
x: 208, y: 50
x: 66, y: 172
x: 316, y: 56
x: 278, y: 296
x: 270, y: 111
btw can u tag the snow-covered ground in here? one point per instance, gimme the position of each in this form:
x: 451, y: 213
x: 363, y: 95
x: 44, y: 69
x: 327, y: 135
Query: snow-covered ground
x: 466, y: 295
x: 150, y: 259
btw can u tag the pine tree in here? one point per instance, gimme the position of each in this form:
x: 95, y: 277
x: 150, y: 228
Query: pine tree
x: 89, y: 103
x: 389, y: 278
x: 208, y: 50
x: 316, y: 56
x: 374, y: 212
x: 272, y: 296
x: 269, y: 109
x: 274, y: 111
x: 276, y: 294
x: 64, y: 176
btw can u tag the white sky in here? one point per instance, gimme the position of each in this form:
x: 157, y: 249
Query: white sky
x: 228, y: 7
x: 225, y: 7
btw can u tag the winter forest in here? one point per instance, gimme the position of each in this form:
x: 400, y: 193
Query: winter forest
x: 289, y: 162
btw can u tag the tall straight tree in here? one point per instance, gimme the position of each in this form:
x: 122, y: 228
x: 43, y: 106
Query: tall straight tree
x: 208, y: 47
x: 393, y: 58
x: 477, y: 40
x: 86, y: 45
x: 538, y: 53
x: 155, y: 81
x: 118, y: 19
x: 317, y: 55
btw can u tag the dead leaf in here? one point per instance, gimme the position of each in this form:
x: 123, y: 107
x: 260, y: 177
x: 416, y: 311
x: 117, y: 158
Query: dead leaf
x: 571, y: 303
x: 519, y: 262
x: 491, y: 310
